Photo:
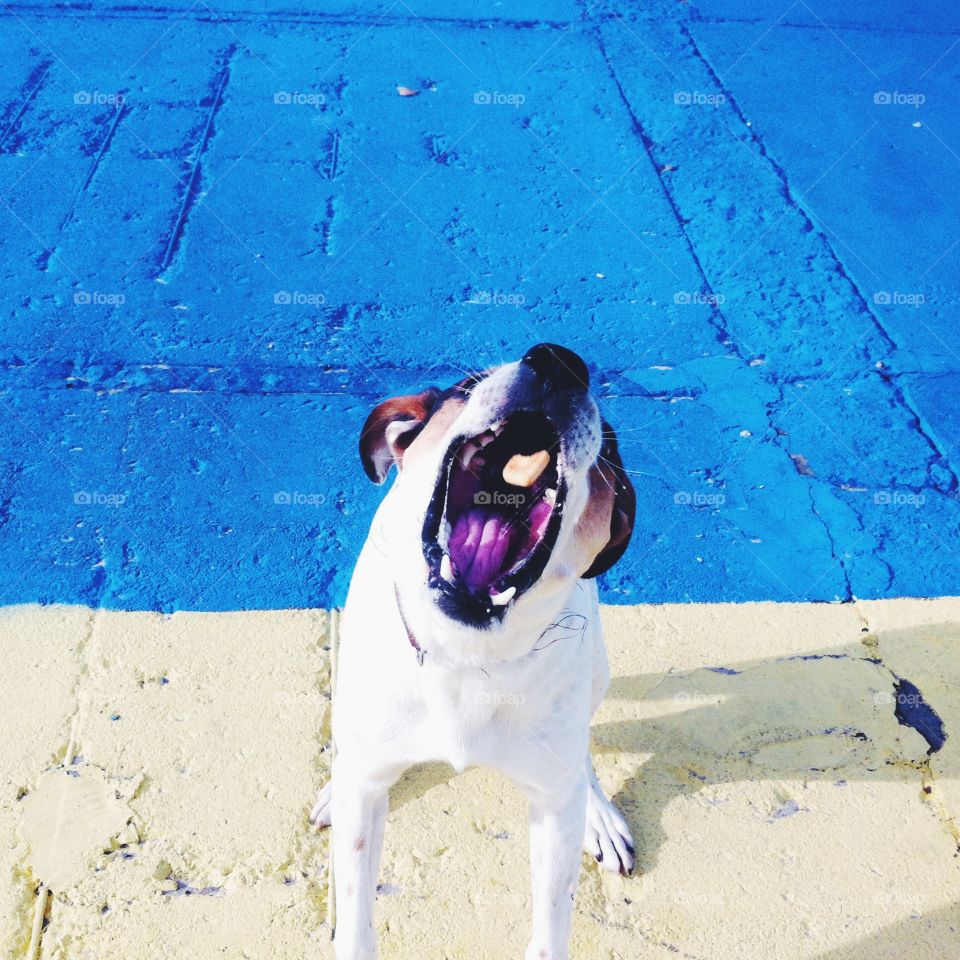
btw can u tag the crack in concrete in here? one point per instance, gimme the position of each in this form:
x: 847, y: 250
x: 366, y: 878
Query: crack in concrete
x: 34, y: 84
x: 46, y: 255
x: 716, y: 317
x: 928, y: 783
x: 916, y: 421
x: 192, y: 181
x: 848, y: 595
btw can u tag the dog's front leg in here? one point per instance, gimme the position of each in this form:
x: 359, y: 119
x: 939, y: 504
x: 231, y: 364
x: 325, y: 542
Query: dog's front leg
x: 359, y: 811
x: 556, y: 834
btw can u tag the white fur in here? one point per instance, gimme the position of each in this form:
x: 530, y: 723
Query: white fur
x: 517, y: 698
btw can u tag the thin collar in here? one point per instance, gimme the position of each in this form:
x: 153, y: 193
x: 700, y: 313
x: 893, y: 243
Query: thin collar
x: 421, y: 653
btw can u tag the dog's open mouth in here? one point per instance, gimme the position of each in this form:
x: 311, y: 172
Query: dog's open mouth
x: 495, y: 514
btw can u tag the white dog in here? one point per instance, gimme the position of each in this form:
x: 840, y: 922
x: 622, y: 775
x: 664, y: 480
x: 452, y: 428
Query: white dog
x: 471, y: 633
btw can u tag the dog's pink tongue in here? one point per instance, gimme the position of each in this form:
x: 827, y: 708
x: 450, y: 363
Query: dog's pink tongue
x: 478, y: 547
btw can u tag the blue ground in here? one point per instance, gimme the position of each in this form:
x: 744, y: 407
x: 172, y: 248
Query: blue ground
x: 224, y: 236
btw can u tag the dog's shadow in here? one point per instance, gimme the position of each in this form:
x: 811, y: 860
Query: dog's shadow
x: 838, y: 715
x: 828, y: 715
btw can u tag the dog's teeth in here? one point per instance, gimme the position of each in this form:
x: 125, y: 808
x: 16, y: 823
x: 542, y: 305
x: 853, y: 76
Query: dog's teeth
x: 469, y: 452
x: 446, y: 569
x: 550, y: 495
x: 495, y: 428
x: 524, y: 471
x: 502, y: 599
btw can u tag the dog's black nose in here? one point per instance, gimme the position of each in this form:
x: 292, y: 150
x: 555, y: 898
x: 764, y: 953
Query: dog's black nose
x: 558, y: 367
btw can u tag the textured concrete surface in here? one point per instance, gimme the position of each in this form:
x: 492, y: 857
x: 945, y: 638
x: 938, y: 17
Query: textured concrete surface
x: 223, y: 235
x: 783, y: 804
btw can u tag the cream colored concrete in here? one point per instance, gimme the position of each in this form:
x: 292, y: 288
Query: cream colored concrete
x: 779, y: 807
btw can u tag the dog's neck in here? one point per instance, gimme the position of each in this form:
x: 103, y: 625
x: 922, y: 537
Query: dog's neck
x: 414, y: 643
x: 433, y: 636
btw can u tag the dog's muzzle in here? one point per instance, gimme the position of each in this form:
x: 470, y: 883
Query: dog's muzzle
x: 496, y: 512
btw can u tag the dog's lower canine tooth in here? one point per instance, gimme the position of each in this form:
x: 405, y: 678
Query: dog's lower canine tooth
x: 469, y: 452
x: 550, y: 495
x: 524, y: 470
x: 502, y: 599
x: 446, y: 569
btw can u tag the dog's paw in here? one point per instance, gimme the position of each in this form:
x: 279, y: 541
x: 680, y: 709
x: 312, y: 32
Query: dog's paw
x: 607, y: 837
x: 320, y: 814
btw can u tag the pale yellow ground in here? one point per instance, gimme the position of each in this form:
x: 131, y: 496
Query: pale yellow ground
x: 156, y: 773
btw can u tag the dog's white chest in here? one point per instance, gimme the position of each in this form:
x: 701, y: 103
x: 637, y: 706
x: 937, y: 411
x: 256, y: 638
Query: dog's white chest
x: 479, y: 716
x: 467, y: 718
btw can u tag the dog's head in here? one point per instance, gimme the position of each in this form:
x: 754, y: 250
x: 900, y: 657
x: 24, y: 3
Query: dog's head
x: 513, y: 481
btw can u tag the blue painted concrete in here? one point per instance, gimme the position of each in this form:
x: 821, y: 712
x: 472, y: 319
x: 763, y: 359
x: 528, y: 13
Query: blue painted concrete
x: 224, y: 236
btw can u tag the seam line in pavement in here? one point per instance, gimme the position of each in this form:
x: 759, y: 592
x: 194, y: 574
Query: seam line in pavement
x: 697, y: 17
x: 716, y: 317
x: 193, y: 179
x: 35, y: 82
x: 285, y: 16
x: 916, y: 421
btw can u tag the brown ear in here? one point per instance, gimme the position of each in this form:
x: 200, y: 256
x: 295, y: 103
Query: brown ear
x: 391, y: 428
x: 624, y: 508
